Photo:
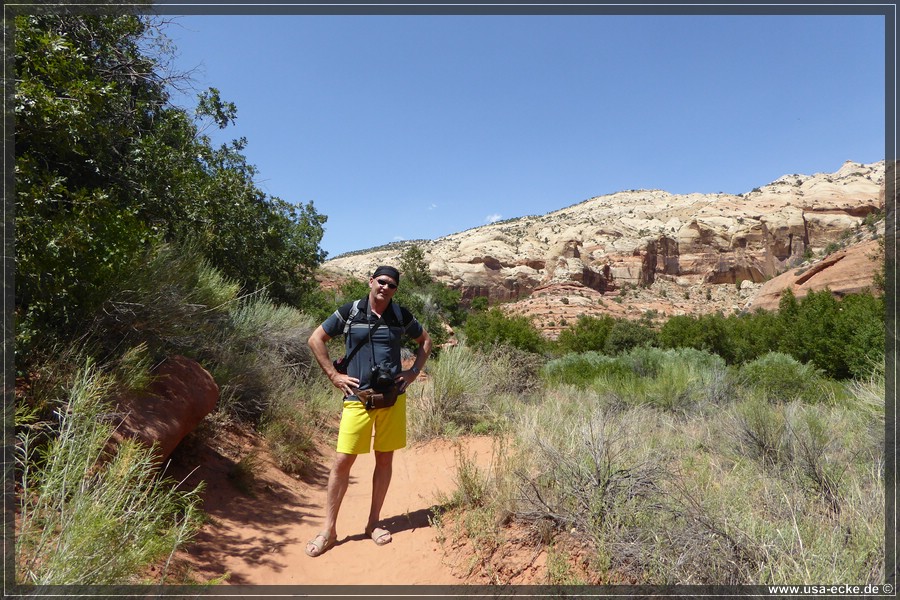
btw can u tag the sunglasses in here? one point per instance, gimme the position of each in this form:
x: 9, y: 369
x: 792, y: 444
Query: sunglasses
x: 384, y: 282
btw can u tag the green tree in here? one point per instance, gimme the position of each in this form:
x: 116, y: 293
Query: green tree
x: 843, y: 338
x: 479, y: 304
x: 106, y: 167
x: 587, y: 334
x: 85, y: 94
x: 414, y: 267
x: 860, y: 328
x: 751, y: 335
x: 493, y: 327
x: 626, y: 335
x: 812, y: 336
x: 681, y: 331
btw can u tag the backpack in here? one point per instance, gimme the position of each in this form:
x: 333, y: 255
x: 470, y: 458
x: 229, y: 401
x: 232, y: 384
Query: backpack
x: 354, y: 310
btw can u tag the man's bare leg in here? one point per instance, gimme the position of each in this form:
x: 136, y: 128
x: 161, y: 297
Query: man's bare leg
x: 381, y: 481
x: 338, y: 481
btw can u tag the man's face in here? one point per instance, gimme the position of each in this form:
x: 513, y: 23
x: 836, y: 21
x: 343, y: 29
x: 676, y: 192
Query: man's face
x: 383, y: 286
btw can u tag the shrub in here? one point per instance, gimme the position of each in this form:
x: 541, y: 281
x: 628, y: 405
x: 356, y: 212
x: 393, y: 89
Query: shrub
x: 587, y: 334
x: 626, y: 335
x: 582, y: 369
x: 579, y: 471
x: 484, y: 330
x: 780, y: 378
x: 761, y: 428
x: 259, y: 357
x: 451, y: 398
x: 509, y: 370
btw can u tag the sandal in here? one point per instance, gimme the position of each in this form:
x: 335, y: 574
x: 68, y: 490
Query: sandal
x: 320, y: 547
x: 379, y: 535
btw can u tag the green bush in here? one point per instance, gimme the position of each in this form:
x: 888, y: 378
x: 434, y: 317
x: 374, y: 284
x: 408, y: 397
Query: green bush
x: 583, y: 369
x: 779, y: 378
x: 587, y: 334
x: 626, y: 335
x: 493, y: 327
x: 671, y: 380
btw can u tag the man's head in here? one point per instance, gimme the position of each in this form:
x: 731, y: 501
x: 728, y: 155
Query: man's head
x: 383, y: 283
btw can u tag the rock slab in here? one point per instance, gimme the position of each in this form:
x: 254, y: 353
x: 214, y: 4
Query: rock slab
x: 181, y: 395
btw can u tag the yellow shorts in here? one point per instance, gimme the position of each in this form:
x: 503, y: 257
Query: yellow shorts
x: 355, y: 434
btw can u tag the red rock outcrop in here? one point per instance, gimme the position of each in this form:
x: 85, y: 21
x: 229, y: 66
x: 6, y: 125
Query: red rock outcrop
x: 845, y: 272
x: 181, y: 394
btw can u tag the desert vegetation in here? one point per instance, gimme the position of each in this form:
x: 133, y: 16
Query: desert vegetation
x: 711, y: 449
x: 668, y: 466
x: 746, y: 449
x: 137, y: 239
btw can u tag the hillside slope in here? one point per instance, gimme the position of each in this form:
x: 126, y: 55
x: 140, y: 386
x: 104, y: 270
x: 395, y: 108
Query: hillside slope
x: 633, y: 251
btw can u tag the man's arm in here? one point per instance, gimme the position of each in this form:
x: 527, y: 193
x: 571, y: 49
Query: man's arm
x: 316, y: 343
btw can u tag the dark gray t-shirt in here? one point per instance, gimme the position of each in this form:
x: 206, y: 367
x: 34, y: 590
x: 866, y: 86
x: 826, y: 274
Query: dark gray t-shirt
x: 386, y: 339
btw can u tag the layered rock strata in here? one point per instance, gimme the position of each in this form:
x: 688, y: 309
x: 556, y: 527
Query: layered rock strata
x: 633, y: 239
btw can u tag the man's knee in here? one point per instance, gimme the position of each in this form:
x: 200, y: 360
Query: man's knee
x: 384, y: 459
x: 342, y: 463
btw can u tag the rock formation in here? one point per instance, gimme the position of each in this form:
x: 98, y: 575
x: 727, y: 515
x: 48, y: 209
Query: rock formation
x: 181, y: 395
x: 647, y: 239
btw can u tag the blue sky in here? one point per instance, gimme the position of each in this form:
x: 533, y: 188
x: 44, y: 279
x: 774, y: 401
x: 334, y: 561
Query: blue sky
x: 416, y: 127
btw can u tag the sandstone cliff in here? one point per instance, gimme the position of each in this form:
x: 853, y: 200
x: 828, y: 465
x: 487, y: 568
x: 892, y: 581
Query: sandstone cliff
x: 648, y: 250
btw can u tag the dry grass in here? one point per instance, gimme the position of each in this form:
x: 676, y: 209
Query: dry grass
x: 738, y: 490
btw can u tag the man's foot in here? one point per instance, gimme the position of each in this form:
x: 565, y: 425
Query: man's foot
x: 320, y: 544
x: 379, y: 535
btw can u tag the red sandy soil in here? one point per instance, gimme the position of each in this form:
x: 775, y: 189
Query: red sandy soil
x: 259, y: 538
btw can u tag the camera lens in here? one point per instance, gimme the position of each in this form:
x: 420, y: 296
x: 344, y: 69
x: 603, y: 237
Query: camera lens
x: 381, y: 378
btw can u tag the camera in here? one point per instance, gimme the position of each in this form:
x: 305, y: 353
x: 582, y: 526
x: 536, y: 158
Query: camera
x: 382, y: 378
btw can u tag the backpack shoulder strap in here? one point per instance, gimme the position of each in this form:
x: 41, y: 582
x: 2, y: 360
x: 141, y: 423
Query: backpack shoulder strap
x: 354, y: 310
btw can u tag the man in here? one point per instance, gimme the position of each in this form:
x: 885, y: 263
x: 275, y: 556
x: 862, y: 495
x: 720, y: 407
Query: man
x: 373, y: 327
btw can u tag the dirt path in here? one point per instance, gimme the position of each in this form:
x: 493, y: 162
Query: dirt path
x: 259, y: 539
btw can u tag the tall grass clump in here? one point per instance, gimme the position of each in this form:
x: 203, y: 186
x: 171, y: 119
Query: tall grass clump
x: 470, y: 390
x: 452, y: 398
x: 178, y: 303
x: 86, y: 517
x: 175, y: 302
x: 290, y: 424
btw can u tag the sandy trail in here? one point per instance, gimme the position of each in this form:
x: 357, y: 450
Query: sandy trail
x: 259, y: 539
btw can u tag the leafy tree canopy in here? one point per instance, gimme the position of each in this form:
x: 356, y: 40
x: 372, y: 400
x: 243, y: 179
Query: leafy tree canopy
x: 106, y: 167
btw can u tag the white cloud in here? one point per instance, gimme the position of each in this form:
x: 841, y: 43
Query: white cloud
x: 432, y: 207
x: 399, y: 238
x: 492, y: 218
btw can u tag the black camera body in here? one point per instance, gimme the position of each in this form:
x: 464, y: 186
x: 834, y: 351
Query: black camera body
x: 382, y: 379
x: 340, y: 365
